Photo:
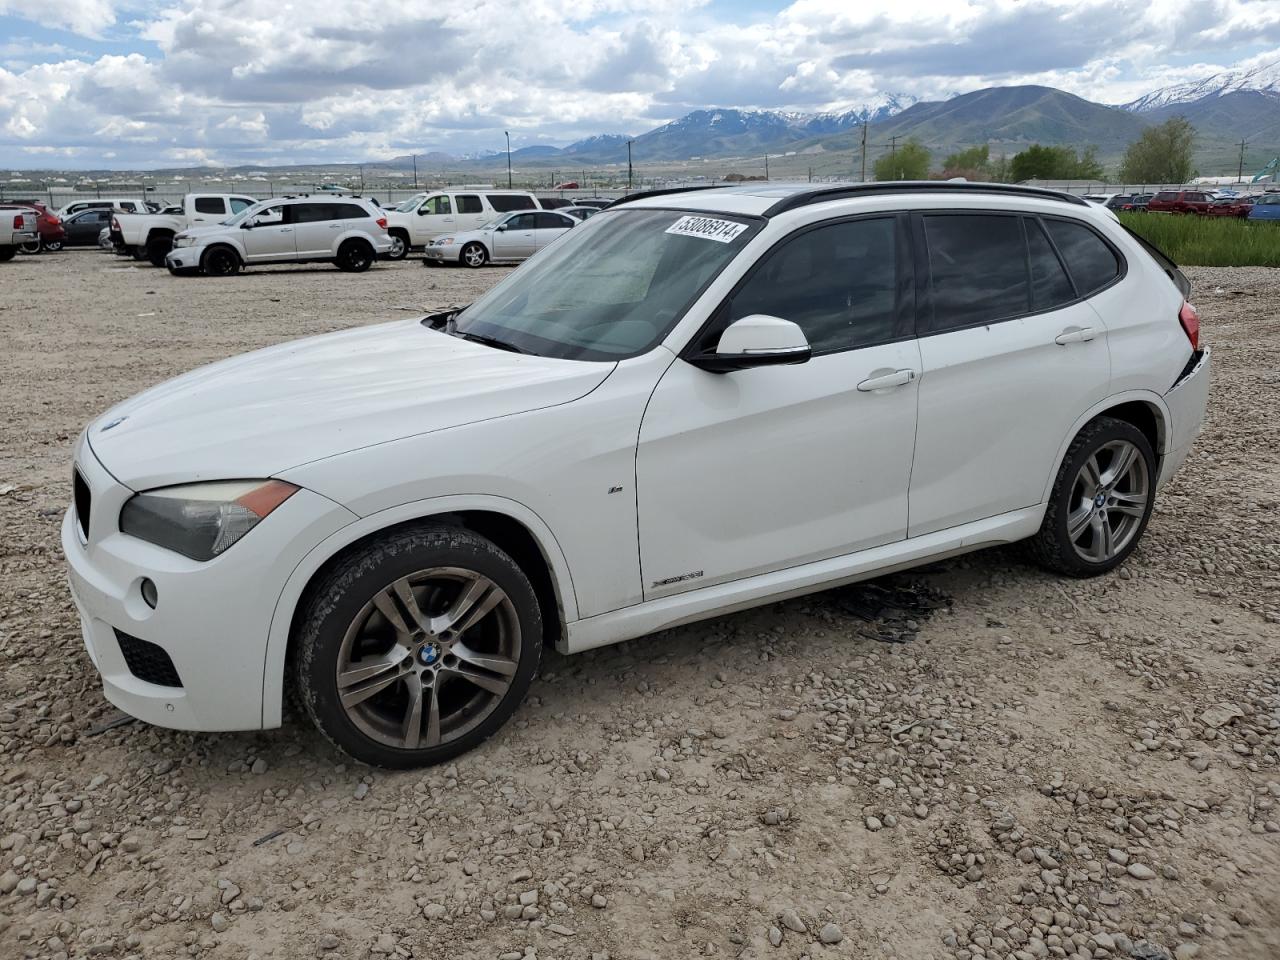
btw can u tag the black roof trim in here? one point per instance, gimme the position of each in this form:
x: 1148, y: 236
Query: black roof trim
x: 643, y: 194
x: 807, y: 197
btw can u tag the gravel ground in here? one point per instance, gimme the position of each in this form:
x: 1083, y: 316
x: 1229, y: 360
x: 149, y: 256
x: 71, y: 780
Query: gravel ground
x: 975, y: 760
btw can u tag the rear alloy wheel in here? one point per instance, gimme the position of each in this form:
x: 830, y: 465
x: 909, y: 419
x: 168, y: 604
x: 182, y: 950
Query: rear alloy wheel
x: 1101, y: 501
x: 31, y: 247
x: 355, y: 256
x: 417, y: 647
x: 474, y: 255
x: 53, y: 246
x: 399, y: 246
x: 220, y: 262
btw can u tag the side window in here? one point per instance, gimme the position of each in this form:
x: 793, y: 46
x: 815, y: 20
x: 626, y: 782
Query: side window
x: 525, y: 221
x: 210, y: 205
x: 269, y: 216
x: 551, y: 221
x: 1092, y: 263
x: 468, y: 203
x: 434, y: 206
x: 506, y: 202
x: 1050, y: 285
x: 311, y: 212
x: 349, y: 211
x: 241, y: 203
x: 837, y: 282
x: 977, y: 269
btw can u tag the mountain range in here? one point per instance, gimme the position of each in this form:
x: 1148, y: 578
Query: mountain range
x: 1224, y: 107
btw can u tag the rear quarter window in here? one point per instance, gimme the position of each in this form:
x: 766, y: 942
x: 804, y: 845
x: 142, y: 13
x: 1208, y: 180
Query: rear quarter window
x: 1089, y: 259
x: 506, y: 202
x: 210, y: 205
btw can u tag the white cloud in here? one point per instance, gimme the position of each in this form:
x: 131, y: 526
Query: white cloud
x: 279, y: 80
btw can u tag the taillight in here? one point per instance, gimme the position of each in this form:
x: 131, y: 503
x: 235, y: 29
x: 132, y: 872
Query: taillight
x: 1190, y: 321
x: 382, y: 222
x: 18, y: 221
x: 115, y: 224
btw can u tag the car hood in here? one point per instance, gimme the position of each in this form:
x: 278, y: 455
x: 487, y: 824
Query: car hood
x: 259, y: 414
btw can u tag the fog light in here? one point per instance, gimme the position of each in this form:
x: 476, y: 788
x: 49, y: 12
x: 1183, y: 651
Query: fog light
x: 149, y: 592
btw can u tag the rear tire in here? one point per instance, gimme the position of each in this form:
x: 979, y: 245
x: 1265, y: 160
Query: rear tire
x: 53, y: 246
x: 7, y: 253
x: 158, y: 249
x: 399, y: 245
x: 416, y: 647
x: 1101, y: 500
x: 31, y: 247
x: 354, y: 256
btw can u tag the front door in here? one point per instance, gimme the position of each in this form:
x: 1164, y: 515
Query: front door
x: 1013, y: 355
x: 517, y: 241
x: 271, y: 237
x: 762, y: 469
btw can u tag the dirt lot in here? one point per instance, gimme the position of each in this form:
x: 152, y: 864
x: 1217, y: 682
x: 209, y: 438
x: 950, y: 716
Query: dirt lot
x: 975, y: 760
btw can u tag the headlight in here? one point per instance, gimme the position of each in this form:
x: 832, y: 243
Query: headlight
x: 201, y: 520
x: 183, y: 241
x: 444, y: 241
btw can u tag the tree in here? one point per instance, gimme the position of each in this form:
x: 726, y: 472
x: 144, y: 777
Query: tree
x: 1162, y: 154
x: 910, y: 161
x: 975, y: 158
x: 1055, y: 163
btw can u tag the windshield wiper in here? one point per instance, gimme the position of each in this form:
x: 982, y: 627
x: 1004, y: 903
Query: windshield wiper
x: 487, y: 341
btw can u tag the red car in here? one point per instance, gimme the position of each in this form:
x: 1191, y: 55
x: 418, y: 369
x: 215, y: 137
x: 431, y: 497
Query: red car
x: 1180, y: 201
x: 48, y: 226
x: 1230, y: 207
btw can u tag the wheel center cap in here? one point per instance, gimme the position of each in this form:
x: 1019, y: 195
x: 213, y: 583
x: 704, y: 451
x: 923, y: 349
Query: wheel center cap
x: 429, y: 653
x: 1100, y: 500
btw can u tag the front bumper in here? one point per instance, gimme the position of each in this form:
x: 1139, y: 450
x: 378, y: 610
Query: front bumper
x: 211, y: 619
x: 440, y: 253
x: 1186, y: 402
x: 183, y: 258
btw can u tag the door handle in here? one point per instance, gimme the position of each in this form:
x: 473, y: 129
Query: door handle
x: 895, y: 379
x: 1074, y: 335
x: 286, y: 229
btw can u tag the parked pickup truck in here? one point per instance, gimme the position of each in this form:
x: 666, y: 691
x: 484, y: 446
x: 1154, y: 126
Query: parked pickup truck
x: 149, y: 236
x: 17, y: 226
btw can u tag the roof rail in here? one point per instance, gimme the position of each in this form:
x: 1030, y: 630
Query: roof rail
x: 642, y: 194
x: 804, y: 198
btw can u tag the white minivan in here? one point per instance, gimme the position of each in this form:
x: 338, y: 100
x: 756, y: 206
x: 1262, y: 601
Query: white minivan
x: 419, y: 221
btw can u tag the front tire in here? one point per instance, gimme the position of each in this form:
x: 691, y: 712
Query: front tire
x: 354, y: 256
x: 53, y: 246
x: 220, y: 262
x: 418, y: 646
x: 158, y: 249
x: 474, y: 255
x: 1101, y: 500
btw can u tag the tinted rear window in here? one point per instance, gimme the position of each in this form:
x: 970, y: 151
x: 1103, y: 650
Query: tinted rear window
x: 468, y: 203
x: 1165, y: 195
x: 1091, y: 262
x: 210, y: 205
x: 1050, y: 285
x: 977, y: 269
x: 506, y: 202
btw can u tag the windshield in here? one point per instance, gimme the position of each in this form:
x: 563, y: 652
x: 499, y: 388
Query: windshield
x: 612, y: 287
x: 410, y: 205
x: 244, y: 214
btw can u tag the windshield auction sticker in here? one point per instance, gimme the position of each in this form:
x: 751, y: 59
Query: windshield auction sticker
x: 708, y: 228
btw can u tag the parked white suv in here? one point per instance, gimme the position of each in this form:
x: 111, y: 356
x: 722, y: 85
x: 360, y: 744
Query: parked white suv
x: 693, y: 403
x: 416, y: 222
x: 346, y: 231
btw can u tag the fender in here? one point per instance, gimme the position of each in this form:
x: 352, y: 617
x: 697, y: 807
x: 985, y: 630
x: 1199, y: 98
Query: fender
x: 286, y: 604
x: 1129, y: 396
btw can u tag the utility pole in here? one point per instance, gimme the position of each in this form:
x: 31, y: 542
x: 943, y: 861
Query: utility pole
x: 766, y: 166
x: 893, y: 153
x: 415, y: 172
x: 508, y: 133
x: 864, y: 151
x: 629, y: 142
x: 1240, y: 173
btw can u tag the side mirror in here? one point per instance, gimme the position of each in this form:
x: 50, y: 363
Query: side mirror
x: 758, y: 340
x: 502, y: 228
x: 248, y: 225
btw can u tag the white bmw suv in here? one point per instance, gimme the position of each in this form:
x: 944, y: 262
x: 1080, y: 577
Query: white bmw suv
x: 693, y: 403
x: 349, y: 232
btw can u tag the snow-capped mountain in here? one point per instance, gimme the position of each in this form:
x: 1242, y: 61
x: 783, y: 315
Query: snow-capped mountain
x: 1263, y: 79
x: 881, y: 107
x: 601, y: 142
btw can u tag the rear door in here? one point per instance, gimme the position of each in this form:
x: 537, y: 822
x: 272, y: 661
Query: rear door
x: 1012, y: 356
x: 517, y: 240
x: 208, y: 210
x: 470, y: 211
x: 315, y: 229
x: 550, y: 228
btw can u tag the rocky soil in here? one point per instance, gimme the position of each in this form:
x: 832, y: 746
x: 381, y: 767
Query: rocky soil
x: 975, y: 760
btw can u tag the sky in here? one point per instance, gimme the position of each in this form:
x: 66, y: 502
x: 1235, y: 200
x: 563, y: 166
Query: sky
x: 87, y: 84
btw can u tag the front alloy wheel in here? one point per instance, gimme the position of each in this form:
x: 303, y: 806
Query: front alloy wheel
x: 474, y: 255
x: 1101, y: 500
x: 418, y: 646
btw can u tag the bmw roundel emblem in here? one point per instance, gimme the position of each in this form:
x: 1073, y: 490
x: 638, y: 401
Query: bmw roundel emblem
x: 430, y: 653
x: 111, y: 425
